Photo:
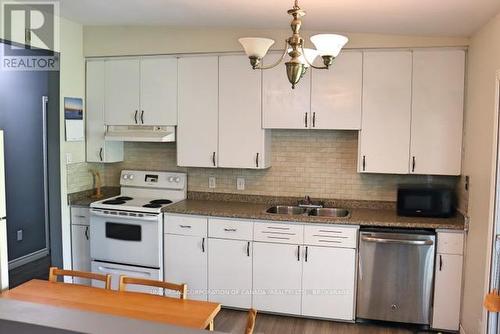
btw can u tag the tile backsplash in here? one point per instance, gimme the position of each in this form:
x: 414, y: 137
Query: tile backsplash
x: 304, y: 162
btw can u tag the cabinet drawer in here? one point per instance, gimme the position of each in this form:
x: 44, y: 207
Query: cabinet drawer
x: 80, y: 215
x: 230, y: 229
x: 333, y: 236
x: 450, y: 243
x: 186, y: 225
x: 279, y: 233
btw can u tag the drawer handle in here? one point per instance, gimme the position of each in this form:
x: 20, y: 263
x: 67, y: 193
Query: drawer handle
x: 80, y: 216
x: 278, y: 228
x: 280, y: 238
x: 282, y: 233
x: 185, y: 226
x: 331, y: 241
x: 329, y: 231
x: 230, y: 229
x: 330, y: 236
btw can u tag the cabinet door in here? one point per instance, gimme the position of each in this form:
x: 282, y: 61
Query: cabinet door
x: 328, y: 282
x: 198, y: 112
x: 230, y: 272
x: 447, y: 292
x: 158, y: 91
x: 80, y: 251
x: 385, y: 128
x: 95, y: 111
x: 241, y: 138
x: 277, y: 276
x: 98, y: 150
x: 186, y: 262
x: 336, y: 93
x: 282, y: 106
x: 122, y: 91
x: 437, y: 112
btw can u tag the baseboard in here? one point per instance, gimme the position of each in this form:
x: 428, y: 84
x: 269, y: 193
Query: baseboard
x: 462, y: 330
x: 28, y: 258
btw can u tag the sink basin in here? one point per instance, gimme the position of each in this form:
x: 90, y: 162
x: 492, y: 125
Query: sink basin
x: 286, y: 210
x: 329, y: 212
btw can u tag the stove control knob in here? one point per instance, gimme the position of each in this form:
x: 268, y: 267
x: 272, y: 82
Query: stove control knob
x: 177, y: 179
x: 131, y: 177
x: 125, y: 176
x: 171, y: 179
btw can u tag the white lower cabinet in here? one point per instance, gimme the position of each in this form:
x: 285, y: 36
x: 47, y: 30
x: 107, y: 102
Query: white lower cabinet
x: 186, y: 262
x: 80, y: 242
x: 448, y: 281
x: 230, y: 272
x: 277, y: 278
x: 328, y: 282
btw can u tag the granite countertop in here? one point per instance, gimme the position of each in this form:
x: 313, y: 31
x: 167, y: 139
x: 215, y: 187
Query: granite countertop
x: 84, y: 198
x: 376, y: 217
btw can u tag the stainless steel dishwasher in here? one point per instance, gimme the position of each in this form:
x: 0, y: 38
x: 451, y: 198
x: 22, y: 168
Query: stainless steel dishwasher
x: 395, y: 278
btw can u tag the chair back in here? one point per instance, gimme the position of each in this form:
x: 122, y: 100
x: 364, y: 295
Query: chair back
x: 252, y: 314
x: 124, y: 280
x: 55, y: 272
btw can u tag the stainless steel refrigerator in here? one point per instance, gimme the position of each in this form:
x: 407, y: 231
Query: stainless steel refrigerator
x: 4, y: 265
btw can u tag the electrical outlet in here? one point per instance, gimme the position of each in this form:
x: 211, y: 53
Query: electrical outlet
x: 19, y: 235
x: 240, y: 183
x: 69, y: 158
x: 211, y: 182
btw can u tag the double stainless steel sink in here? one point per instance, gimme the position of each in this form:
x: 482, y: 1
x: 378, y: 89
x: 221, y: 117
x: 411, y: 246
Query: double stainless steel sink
x: 299, y: 210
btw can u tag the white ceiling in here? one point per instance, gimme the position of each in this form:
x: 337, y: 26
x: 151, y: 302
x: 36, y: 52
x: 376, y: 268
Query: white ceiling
x: 415, y: 17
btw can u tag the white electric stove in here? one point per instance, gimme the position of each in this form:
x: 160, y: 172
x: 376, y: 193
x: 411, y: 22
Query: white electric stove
x: 126, y: 231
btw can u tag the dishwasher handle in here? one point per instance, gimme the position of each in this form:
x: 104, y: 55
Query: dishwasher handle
x: 410, y: 242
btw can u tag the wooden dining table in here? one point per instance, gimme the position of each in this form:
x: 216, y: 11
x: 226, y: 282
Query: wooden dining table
x: 167, y: 310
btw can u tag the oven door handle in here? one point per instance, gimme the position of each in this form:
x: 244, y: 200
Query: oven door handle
x: 411, y: 242
x: 135, y: 218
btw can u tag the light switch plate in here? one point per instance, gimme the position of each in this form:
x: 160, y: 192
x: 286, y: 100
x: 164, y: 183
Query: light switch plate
x: 211, y: 182
x: 19, y: 235
x: 240, y: 183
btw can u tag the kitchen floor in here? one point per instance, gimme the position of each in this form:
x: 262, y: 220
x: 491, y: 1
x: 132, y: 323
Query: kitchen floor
x: 231, y: 321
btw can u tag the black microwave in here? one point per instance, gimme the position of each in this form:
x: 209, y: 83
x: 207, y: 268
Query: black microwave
x: 426, y: 201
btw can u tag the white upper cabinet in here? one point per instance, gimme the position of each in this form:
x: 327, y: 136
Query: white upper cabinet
x: 437, y: 112
x: 197, y: 133
x: 336, y: 93
x: 282, y: 106
x: 242, y: 141
x: 141, y: 91
x: 384, y: 137
x: 158, y: 91
x: 98, y: 150
x: 122, y: 91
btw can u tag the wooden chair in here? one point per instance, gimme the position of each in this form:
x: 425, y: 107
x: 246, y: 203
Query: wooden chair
x: 250, y: 321
x: 55, y: 272
x: 124, y: 280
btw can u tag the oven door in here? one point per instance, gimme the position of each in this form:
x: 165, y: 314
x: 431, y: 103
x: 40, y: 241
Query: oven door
x: 126, y: 237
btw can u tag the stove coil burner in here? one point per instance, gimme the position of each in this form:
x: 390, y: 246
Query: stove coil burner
x: 114, y: 202
x: 152, y: 205
x: 160, y: 201
x: 123, y: 198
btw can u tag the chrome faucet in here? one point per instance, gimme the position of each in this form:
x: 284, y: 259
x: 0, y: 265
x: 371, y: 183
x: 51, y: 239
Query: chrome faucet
x: 308, y: 203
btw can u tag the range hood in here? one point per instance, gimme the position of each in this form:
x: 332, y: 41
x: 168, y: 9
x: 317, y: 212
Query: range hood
x: 140, y: 133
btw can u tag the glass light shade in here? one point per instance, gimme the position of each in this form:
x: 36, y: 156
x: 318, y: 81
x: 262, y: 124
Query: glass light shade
x: 329, y: 44
x: 310, y: 54
x: 255, y: 46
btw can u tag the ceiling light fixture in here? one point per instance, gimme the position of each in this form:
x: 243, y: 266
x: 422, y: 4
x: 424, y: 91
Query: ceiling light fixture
x: 328, y: 46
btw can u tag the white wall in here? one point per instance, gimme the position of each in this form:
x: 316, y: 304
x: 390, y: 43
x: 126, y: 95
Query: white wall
x: 136, y: 40
x: 484, y: 61
x: 72, y: 84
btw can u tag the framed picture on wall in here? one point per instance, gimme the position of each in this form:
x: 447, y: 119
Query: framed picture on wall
x: 73, y: 119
